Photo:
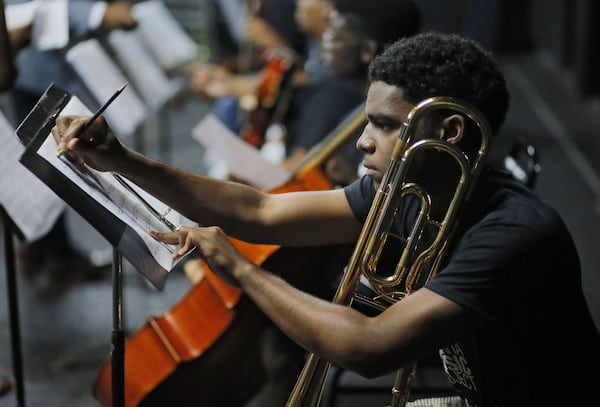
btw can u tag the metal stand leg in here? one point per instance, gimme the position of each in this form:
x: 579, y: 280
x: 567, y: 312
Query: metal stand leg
x: 13, y: 304
x: 118, y: 336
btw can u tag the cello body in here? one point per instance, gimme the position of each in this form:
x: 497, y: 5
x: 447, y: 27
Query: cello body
x: 160, y: 354
x: 206, y: 350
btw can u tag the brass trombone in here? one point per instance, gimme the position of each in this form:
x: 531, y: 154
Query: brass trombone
x: 416, y: 265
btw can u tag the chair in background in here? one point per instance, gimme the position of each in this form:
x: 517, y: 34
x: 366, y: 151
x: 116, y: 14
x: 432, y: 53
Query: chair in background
x: 523, y: 162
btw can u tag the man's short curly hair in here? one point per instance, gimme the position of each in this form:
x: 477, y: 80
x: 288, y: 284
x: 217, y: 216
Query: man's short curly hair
x: 435, y: 64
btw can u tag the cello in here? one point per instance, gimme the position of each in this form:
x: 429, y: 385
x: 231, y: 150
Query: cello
x: 211, y: 338
x: 271, y: 98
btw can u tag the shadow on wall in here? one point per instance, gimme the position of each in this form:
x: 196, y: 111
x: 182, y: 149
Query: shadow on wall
x: 498, y: 25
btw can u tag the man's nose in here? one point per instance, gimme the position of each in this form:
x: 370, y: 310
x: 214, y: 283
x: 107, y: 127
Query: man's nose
x: 365, y: 143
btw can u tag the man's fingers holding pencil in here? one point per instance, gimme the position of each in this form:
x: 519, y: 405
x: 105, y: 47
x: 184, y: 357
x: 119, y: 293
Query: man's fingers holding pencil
x: 96, y: 145
x: 65, y: 130
x: 68, y: 132
x: 79, y: 128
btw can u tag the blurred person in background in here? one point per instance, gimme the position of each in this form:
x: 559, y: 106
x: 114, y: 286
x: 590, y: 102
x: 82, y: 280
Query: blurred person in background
x: 356, y: 33
x: 10, y: 42
x: 55, y: 253
x: 270, y: 31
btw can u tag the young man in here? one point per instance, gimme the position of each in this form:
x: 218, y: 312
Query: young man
x: 507, y: 337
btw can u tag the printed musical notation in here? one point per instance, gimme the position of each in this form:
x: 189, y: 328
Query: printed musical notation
x: 32, y: 206
x: 131, y: 204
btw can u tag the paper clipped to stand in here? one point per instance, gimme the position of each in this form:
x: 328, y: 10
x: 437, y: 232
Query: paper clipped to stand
x: 245, y: 162
x: 164, y: 36
x: 102, y: 76
x: 49, y: 19
x: 155, y: 87
x: 32, y: 206
x: 127, y: 212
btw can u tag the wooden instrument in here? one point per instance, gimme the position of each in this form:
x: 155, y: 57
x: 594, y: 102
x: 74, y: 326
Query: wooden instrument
x: 271, y: 98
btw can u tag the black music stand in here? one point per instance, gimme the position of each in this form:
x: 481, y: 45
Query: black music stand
x: 10, y: 230
x: 125, y: 240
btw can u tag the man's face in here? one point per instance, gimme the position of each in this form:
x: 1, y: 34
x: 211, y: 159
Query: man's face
x: 341, y: 48
x: 386, y: 110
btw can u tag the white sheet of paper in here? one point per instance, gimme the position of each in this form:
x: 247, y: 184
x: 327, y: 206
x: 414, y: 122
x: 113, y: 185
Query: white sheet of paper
x: 19, y: 15
x: 103, y: 77
x: 245, y: 162
x: 102, y: 186
x: 50, y: 24
x: 31, y: 205
x: 146, y: 75
x: 50, y: 19
x: 163, y: 34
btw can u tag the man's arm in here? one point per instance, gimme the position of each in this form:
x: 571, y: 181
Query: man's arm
x: 291, y: 219
x: 412, y: 328
x: 298, y: 219
x: 408, y: 330
x: 111, y: 15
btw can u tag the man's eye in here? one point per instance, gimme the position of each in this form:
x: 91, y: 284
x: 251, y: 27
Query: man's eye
x: 386, y: 127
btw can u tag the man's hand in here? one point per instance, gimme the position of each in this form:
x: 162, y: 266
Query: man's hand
x: 208, y: 80
x: 263, y: 36
x: 118, y: 15
x: 213, y: 246
x: 96, y: 146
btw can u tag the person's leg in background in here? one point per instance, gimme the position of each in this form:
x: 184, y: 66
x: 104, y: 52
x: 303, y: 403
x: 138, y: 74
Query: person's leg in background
x: 226, y: 109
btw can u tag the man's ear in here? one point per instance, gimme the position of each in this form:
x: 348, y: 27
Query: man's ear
x: 452, y: 128
x: 368, y: 51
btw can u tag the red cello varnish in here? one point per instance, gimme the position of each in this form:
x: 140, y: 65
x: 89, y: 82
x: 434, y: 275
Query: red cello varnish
x: 270, y: 100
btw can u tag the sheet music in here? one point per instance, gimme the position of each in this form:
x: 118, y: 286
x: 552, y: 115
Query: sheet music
x: 163, y: 35
x: 106, y: 190
x: 245, y: 162
x: 102, y: 77
x: 146, y: 75
x: 31, y: 205
x: 18, y: 15
x: 50, y: 20
x: 51, y: 25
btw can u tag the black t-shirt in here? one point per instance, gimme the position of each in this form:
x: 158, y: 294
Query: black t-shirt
x: 515, y: 264
x: 317, y: 108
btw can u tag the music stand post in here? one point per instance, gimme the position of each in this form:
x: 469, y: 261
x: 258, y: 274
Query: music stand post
x: 118, y: 335
x: 13, y: 305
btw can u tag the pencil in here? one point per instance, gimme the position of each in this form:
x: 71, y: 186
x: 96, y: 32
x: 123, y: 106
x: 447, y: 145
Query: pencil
x: 97, y: 114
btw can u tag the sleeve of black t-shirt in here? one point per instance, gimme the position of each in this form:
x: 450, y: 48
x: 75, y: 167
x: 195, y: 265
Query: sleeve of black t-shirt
x: 360, y: 195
